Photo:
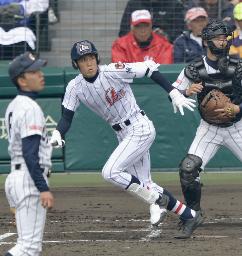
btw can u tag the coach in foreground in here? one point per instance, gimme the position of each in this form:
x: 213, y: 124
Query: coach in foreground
x: 105, y: 89
x: 216, y: 79
x: 26, y: 186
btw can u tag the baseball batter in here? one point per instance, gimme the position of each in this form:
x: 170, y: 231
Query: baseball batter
x: 106, y: 90
x: 26, y: 186
x: 215, y: 71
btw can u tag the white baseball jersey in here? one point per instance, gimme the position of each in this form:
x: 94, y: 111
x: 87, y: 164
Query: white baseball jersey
x: 24, y: 118
x: 111, y: 97
x: 209, y: 138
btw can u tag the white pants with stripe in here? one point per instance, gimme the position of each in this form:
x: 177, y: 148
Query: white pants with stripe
x: 132, y: 157
x: 210, y: 138
x: 23, y: 195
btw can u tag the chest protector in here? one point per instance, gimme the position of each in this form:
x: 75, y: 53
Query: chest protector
x: 228, y: 81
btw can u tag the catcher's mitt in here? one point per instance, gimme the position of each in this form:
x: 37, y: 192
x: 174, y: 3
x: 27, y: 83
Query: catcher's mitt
x: 214, y: 100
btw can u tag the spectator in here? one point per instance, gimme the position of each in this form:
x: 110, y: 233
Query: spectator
x: 236, y: 42
x: 141, y: 43
x: 14, y: 36
x: 167, y: 16
x: 18, y: 25
x: 188, y: 45
x: 227, y: 12
x: 214, y: 8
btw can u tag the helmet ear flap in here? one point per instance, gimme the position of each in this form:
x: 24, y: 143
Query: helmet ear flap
x: 74, y: 64
x: 98, y: 58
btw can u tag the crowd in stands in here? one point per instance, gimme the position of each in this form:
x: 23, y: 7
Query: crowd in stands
x: 172, y: 34
x: 19, y: 29
x: 166, y: 31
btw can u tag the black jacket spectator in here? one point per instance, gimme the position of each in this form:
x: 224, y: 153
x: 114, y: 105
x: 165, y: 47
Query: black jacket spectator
x: 168, y: 15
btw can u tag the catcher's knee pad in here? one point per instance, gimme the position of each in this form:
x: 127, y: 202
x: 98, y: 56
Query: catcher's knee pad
x: 189, y: 170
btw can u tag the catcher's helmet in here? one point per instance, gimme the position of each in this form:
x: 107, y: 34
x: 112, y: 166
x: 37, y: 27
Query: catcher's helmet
x: 215, y: 28
x: 82, y: 48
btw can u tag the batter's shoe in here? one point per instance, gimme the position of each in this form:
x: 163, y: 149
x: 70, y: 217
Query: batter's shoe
x: 188, y: 226
x: 157, y: 214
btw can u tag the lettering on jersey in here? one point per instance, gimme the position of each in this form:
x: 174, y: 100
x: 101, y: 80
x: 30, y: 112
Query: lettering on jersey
x: 178, y: 81
x: 35, y: 127
x: 119, y: 65
x: 128, y: 70
x: 112, y: 96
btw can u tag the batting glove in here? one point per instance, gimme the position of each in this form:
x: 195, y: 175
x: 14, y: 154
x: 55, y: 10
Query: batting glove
x: 56, y: 140
x: 179, y: 101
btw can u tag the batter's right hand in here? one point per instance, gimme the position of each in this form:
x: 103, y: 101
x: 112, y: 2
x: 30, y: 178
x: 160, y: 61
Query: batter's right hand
x: 47, y: 199
x: 56, y: 140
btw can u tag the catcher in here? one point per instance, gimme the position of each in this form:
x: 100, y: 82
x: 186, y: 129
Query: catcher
x: 216, y: 79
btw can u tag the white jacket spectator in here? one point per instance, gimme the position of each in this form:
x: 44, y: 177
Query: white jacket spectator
x: 32, y: 6
x: 16, y: 35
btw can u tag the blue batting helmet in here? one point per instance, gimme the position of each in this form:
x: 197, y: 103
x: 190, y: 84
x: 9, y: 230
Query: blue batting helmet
x: 82, y: 48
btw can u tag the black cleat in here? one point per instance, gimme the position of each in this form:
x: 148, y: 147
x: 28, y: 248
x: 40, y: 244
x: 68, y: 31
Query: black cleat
x: 188, y: 226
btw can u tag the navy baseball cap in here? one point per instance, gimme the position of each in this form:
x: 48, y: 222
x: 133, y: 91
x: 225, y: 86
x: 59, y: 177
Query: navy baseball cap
x: 24, y: 63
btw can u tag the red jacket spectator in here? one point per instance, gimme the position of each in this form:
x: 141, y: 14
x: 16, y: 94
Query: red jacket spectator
x: 141, y: 43
x: 126, y: 49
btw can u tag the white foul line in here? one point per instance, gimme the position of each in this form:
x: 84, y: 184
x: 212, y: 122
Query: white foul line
x: 2, y: 237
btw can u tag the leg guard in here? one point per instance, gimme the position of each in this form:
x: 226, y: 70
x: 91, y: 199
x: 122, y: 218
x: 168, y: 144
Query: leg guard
x: 147, y: 195
x: 189, y: 170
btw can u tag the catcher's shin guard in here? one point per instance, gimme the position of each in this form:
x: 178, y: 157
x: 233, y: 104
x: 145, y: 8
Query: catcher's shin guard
x: 190, y: 182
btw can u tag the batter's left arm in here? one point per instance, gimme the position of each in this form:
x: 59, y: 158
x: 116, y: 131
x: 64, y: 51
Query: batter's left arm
x: 62, y: 127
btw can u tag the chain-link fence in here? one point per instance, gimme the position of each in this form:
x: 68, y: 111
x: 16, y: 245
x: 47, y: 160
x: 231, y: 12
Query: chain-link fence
x: 49, y: 28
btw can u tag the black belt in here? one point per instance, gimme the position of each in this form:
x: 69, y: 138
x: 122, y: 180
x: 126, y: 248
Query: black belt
x: 117, y: 127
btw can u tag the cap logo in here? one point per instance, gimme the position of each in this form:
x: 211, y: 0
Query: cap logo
x: 31, y: 56
x: 83, y: 47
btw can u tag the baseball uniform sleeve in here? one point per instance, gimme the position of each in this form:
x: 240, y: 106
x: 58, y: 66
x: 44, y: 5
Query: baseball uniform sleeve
x: 182, y: 82
x: 128, y: 71
x: 71, y: 100
x: 32, y: 122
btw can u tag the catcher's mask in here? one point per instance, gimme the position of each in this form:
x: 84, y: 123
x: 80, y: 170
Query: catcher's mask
x: 215, y: 28
x: 81, y: 48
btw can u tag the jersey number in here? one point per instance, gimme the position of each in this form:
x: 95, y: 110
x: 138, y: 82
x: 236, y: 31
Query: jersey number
x: 9, y: 123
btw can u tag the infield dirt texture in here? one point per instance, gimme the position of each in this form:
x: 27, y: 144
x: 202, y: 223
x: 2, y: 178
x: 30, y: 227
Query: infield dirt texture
x: 103, y: 220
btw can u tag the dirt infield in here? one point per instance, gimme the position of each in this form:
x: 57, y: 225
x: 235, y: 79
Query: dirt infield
x: 107, y: 221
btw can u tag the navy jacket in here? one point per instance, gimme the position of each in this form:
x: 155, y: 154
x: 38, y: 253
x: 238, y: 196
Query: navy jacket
x: 186, y: 49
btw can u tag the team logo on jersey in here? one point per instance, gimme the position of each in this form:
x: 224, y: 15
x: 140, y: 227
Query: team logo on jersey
x: 119, y: 65
x: 112, y: 96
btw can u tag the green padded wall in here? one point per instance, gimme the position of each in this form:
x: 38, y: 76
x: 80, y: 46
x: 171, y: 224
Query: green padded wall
x: 90, y: 140
x: 50, y: 101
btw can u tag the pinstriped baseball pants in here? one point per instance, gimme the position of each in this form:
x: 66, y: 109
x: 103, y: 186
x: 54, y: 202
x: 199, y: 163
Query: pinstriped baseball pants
x: 210, y: 138
x: 23, y: 195
x: 131, y: 157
